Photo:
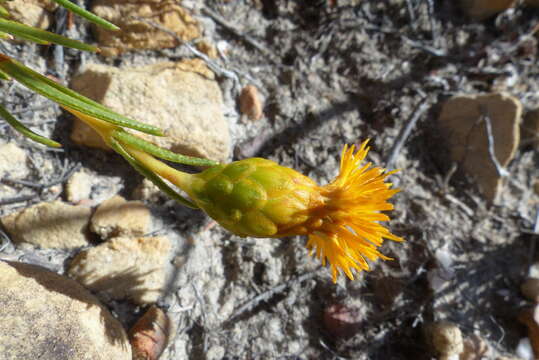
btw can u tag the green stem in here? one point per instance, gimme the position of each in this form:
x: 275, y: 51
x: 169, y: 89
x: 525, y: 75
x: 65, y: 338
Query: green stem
x: 87, y: 15
x: 18, y: 126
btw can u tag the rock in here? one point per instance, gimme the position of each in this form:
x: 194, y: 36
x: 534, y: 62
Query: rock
x: 12, y: 161
x: 79, y: 187
x: 206, y: 47
x: 250, y: 103
x: 124, y: 268
x: 138, y: 34
x: 530, y: 289
x: 483, y: 9
x: 150, y: 334
x: 530, y: 318
x: 341, y: 321
x: 50, y: 317
x: 49, y: 225
x: 118, y: 217
x: 524, y: 351
x: 36, y: 13
x: 462, y: 125
x: 475, y: 348
x: 181, y: 98
x: 445, y: 338
x: 147, y: 191
x: 530, y: 129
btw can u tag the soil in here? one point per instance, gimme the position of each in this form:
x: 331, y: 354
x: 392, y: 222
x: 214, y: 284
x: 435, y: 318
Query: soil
x: 331, y: 73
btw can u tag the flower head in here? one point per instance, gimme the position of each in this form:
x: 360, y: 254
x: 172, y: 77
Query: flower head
x: 259, y: 198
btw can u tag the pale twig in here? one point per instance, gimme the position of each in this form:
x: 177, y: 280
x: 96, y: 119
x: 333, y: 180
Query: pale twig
x: 62, y: 178
x: 499, y: 168
x: 268, y: 294
x: 405, y: 132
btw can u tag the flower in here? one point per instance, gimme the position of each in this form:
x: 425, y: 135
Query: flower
x: 260, y: 198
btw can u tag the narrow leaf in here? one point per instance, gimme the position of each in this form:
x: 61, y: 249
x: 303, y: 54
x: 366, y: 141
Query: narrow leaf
x: 87, y: 15
x: 150, y: 175
x: 69, y: 98
x: 155, y: 150
x: 25, y: 131
x: 18, y: 29
x: 4, y: 12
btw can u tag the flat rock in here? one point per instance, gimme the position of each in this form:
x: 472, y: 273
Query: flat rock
x: 118, y: 217
x: 49, y: 225
x: 12, y: 161
x: 50, y: 317
x: 462, y: 125
x: 135, y: 33
x: 36, y: 13
x: 483, y: 9
x: 181, y: 98
x: 124, y: 268
x: 251, y: 103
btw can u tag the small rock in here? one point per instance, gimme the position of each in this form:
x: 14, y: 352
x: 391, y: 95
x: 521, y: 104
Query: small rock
x: 150, y: 334
x: 530, y: 318
x: 341, y: 321
x: 206, y: 47
x: 49, y: 225
x: 118, y: 217
x: 36, y: 13
x: 124, y: 268
x: 12, y: 161
x: 79, y: 187
x: 250, y: 103
x: 483, y: 9
x: 530, y: 129
x: 445, y: 338
x: 475, y: 348
x: 181, y: 98
x: 139, y: 34
x: 530, y: 289
x: 462, y: 125
x: 147, y: 191
x: 50, y: 317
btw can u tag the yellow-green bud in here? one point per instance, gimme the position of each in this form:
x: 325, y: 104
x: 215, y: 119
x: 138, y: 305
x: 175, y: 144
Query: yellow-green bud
x: 255, y: 197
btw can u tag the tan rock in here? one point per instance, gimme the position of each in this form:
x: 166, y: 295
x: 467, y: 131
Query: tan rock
x: 250, y: 103
x: 124, y: 268
x: 36, y: 13
x: 150, y: 334
x: 475, y: 348
x: 530, y: 289
x: 12, y: 161
x: 49, y: 317
x: 135, y: 33
x: 206, y: 47
x: 147, y: 191
x: 483, y: 9
x: 49, y: 225
x: 445, y: 338
x: 118, y: 217
x: 181, y: 98
x: 462, y: 124
x: 79, y: 187
x: 530, y: 129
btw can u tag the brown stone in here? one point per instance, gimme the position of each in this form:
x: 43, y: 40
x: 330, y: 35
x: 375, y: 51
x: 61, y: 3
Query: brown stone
x: 462, y: 124
x: 36, y: 13
x: 49, y: 225
x: 50, y: 317
x: 530, y: 317
x: 150, y: 334
x: 530, y: 289
x: 530, y: 129
x: 136, y: 33
x: 483, y: 9
x: 181, y: 98
x: 250, y: 103
x: 445, y: 338
x: 124, y: 268
x: 206, y: 47
x: 118, y: 217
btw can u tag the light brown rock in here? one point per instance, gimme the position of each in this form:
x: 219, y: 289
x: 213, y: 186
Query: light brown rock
x: 206, y: 47
x: 445, y: 338
x: 530, y: 129
x: 250, y: 103
x: 181, y: 98
x: 79, y: 187
x: 483, y: 9
x: 147, y: 191
x: 36, y: 13
x: 462, y: 125
x: 475, y: 348
x: 138, y: 34
x: 49, y: 225
x: 12, y: 161
x: 50, y: 317
x: 124, y: 268
x: 150, y: 334
x: 118, y: 217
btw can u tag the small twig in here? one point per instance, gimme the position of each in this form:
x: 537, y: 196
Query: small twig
x: 66, y: 175
x: 4, y: 240
x: 405, y: 132
x: 18, y: 199
x: 499, y: 168
x: 266, y: 295
x: 218, y: 19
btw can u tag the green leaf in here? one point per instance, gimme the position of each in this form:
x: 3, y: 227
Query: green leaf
x: 151, y: 176
x: 87, y: 15
x: 4, y: 12
x: 155, y: 150
x: 25, y: 131
x: 21, y: 30
x: 69, y: 98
